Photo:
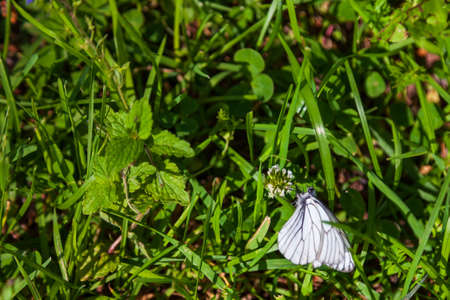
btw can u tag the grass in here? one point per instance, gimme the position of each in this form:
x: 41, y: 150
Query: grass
x: 135, y: 137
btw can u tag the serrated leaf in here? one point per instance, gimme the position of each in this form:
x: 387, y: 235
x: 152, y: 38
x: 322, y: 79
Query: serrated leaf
x: 142, y: 202
x: 116, y: 124
x: 168, y: 185
x: 136, y: 124
x: 166, y: 143
x: 140, y: 119
x: 138, y: 174
x: 100, y: 194
x: 120, y: 152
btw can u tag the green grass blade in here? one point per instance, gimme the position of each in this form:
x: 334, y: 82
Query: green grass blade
x: 415, y: 224
x: 190, y: 255
x: 268, y: 18
x: 237, y: 39
x: 50, y: 33
x: 295, y: 66
x: 7, y: 31
x: 119, y: 42
x: 426, y: 234
x: 91, y: 117
x: 24, y: 283
x: 59, y: 250
x: 287, y: 128
x: 419, y: 151
x: 257, y: 210
x: 445, y: 252
x: 155, y: 68
x: 177, y: 24
x: 293, y: 20
x: 362, y: 116
x: 397, y: 151
x: 215, y: 220
x: 30, y: 283
x: 13, y: 115
x: 29, y: 65
x: 278, y: 128
x: 7, y: 248
x: 428, y: 122
x: 276, y: 27
x: 443, y: 93
x: 331, y: 72
x: 321, y: 137
x: 247, y: 169
x: 249, y: 131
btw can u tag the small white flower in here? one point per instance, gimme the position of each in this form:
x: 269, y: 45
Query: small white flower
x: 279, y: 182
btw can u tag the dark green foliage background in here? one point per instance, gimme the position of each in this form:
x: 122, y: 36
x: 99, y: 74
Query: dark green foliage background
x: 135, y: 136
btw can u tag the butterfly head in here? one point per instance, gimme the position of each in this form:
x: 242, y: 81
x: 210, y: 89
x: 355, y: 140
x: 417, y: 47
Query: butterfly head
x: 301, y: 197
x: 311, y: 191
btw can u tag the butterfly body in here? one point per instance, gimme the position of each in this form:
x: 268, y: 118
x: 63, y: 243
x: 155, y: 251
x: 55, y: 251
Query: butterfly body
x: 308, y: 236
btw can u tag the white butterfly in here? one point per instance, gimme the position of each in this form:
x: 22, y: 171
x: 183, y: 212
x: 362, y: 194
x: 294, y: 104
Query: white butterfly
x: 307, y: 237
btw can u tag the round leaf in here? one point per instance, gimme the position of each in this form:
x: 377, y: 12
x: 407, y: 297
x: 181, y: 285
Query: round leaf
x: 262, y: 86
x: 375, y: 85
x: 254, y: 60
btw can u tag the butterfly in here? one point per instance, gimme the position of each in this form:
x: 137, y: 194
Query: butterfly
x: 307, y: 237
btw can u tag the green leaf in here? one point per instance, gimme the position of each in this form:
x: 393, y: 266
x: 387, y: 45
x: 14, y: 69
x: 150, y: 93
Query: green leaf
x: 353, y: 203
x: 101, y: 191
x: 116, y: 124
x: 349, y: 144
x: 4, y: 173
x: 166, y: 143
x: 345, y: 12
x: 400, y: 34
x: 319, y: 130
x: 120, y: 152
x: 256, y: 240
x: 96, y: 263
x: 168, y: 185
x: 445, y: 252
x: 140, y: 119
x: 189, y: 254
x: 375, y: 85
x: 363, y: 118
x: 135, y: 17
x: 435, y: 118
x: 136, y: 124
x: 401, y: 114
x: 262, y: 86
x: 100, y: 194
x: 426, y: 234
x: 138, y: 174
x: 255, y: 62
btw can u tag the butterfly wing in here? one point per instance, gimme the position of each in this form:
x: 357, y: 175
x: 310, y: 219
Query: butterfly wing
x: 308, y: 238
x: 291, y: 239
x: 334, y: 251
